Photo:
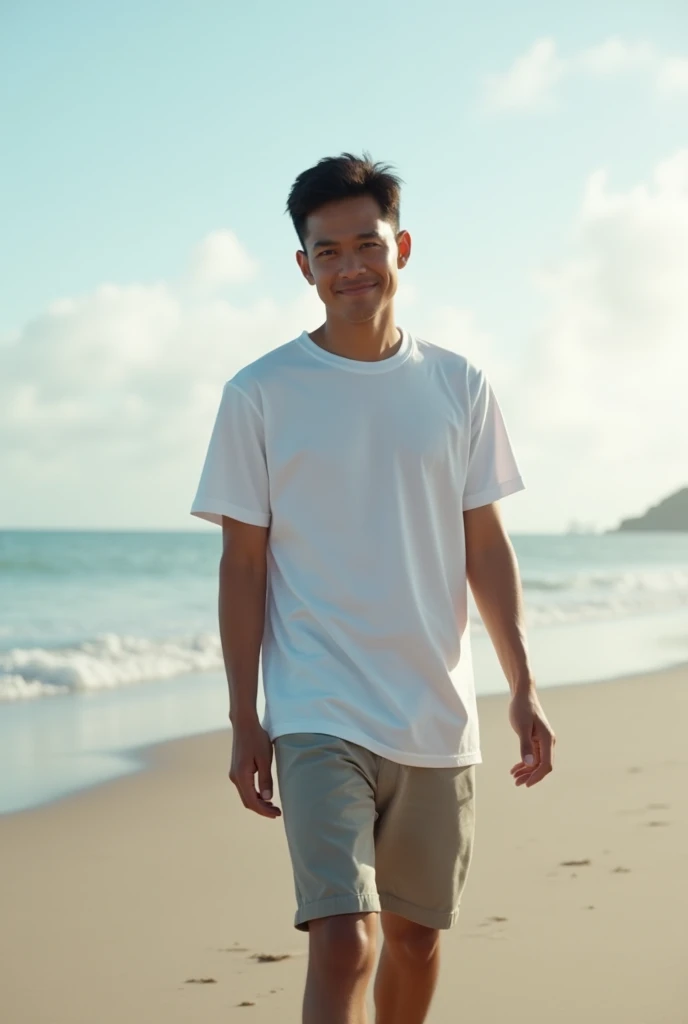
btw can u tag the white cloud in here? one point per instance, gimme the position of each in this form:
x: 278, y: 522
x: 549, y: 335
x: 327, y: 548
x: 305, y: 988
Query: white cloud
x: 672, y: 78
x: 596, y: 399
x: 602, y: 395
x: 220, y: 259
x: 107, y: 399
x: 614, y: 56
x: 532, y: 80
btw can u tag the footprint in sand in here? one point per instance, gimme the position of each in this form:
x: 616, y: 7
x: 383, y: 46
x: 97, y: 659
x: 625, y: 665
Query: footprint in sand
x: 201, y: 981
x: 621, y: 871
x: 495, y: 936
x: 657, y: 824
x: 492, y: 920
x: 270, y: 958
x: 574, y: 863
x: 647, y: 807
x: 246, y: 1003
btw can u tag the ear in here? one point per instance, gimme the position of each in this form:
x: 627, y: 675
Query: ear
x: 304, y: 266
x: 403, y: 248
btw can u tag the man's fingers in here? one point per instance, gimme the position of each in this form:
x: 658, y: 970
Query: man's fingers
x: 526, y: 738
x: 265, y: 780
x: 266, y: 789
x: 545, y: 743
x: 527, y: 752
x: 538, y: 775
x: 250, y: 798
x: 247, y: 790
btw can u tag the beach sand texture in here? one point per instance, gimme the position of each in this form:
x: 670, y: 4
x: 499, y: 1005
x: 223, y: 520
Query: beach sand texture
x: 157, y: 897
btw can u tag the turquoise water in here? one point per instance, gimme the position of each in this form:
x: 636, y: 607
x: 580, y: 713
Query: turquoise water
x: 109, y: 642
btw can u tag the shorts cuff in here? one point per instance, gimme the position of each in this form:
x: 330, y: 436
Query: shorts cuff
x: 353, y: 903
x: 420, y: 915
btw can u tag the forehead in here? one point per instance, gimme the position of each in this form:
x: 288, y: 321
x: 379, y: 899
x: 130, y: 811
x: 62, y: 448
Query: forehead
x: 346, y: 218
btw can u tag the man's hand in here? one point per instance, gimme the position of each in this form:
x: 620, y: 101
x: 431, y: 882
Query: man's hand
x: 251, y: 756
x: 537, y: 739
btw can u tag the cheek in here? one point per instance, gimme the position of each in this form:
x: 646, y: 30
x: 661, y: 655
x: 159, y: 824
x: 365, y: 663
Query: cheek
x: 390, y: 272
x: 323, y: 280
x: 387, y: 264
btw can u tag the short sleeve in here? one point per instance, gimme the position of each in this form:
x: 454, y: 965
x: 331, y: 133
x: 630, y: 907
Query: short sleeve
x: 492, y: 469
x: 234, y: 479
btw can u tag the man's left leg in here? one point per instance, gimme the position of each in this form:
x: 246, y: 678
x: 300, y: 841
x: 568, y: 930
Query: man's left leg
x: 407, y: 972
x: 423, y: 847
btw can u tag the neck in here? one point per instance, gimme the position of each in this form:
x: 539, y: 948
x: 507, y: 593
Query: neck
x: 375, y: 339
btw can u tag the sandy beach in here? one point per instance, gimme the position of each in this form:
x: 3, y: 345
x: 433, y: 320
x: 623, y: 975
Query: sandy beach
x: 157, y: 897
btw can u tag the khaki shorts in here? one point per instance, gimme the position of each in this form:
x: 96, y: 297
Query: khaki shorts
x: 368, y: 834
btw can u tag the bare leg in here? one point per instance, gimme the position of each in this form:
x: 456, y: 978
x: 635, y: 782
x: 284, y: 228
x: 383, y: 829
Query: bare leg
x: 407, y: 973
x: 341, y: 958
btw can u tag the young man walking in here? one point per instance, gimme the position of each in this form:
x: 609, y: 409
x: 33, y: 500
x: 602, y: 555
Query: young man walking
x: 355, y: 471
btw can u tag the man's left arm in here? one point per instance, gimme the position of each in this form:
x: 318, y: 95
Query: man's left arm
x: 494, y: 579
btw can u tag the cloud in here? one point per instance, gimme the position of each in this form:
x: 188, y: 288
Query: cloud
x: 612, y: 57
x: 595, y: 397
x: 220, y: 259
x: 532, y: 80
x: 529, y: 82
x: 602, y: 391
x: 672, y: 78
x: 107, y: 399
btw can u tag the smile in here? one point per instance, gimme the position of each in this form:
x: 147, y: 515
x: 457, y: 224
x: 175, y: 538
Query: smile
x: 357, y: 290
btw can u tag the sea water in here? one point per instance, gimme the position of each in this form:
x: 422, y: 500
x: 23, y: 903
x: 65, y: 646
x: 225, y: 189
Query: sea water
x: 109, y: 640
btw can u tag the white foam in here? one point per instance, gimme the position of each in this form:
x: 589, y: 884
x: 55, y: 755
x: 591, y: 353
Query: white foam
x: 106, y: 662
x: 587, y: 596
x: 112, y: 660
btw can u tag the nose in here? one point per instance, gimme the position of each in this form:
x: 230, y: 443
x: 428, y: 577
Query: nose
x: 351, y: 265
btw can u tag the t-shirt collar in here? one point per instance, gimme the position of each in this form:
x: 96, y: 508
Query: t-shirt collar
x: 359, y: 365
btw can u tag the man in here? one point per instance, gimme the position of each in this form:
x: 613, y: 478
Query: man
x: 355, y: 471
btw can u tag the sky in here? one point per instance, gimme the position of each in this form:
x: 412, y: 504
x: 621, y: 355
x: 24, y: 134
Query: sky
x: 145, y: 255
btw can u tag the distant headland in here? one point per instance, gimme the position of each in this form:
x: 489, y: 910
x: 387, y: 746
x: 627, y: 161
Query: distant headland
x: 669, y: 514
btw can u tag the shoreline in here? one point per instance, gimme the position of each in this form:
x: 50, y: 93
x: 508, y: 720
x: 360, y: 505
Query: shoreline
x: 142, y: 757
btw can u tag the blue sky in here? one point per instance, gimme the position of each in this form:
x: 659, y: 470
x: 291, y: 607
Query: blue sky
x: 136, y: 131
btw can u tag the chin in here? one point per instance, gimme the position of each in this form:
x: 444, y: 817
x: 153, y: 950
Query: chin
x: 360, y: 317
x: 359, y: 313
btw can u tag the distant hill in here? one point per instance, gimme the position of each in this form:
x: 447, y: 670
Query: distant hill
x: 670, y: 514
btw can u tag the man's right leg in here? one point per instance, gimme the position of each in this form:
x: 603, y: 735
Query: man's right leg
x: 327, y: 793
x: 340, y: 963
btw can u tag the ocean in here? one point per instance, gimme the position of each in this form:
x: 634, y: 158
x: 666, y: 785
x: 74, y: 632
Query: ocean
x: 109, y: 640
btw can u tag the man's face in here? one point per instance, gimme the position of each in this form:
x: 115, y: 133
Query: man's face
x: 353, y: 258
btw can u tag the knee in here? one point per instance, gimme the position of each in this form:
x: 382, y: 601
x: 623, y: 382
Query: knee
x: 410, y: 942
x: 344, y: 945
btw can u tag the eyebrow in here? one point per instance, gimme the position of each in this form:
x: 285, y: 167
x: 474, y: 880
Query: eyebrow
x: 330, y: 241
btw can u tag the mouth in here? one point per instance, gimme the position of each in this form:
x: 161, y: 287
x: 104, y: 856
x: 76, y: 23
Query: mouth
x: 359, y: 289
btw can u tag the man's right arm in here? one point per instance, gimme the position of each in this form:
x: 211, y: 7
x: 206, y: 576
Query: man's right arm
x: 241, y: 607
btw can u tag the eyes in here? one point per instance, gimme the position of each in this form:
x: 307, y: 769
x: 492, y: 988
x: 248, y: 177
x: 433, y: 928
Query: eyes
x: 328, y: 252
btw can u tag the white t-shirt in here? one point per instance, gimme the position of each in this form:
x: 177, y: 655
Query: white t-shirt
x: 363, y: 471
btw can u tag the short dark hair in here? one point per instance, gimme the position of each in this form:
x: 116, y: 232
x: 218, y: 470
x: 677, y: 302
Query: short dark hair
x: 343, y: 177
